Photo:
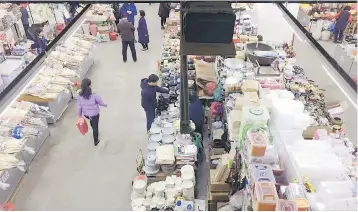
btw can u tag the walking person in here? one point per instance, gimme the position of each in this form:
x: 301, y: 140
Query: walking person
x: 130, y: 11
x: 25, y: 21
x: 164, y: 10
x: 143, y: 36
x: 149, y: 97
x: 88, y: 105
x: 126, y: 29
x: 341, y: 23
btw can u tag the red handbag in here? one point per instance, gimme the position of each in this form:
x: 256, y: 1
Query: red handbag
x: 82, y: 125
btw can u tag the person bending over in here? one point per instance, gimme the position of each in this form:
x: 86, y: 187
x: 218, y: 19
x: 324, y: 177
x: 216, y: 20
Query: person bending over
x: 40, y: 42
x: 196, y: 112
x: 341, y: 23
x: 126, y: 29
x: 149, y: 98
x: 143, y: 36
x: 88, y: 105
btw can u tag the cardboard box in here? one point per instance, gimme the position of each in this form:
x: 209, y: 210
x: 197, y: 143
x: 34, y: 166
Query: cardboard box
x: 242, y: 101
x: 219, y: 196
x: 244, y: 38
x: 253, y: 39
x: 217, y: 186
x: 252, y: 96
x: 250, y: 86
x: 308, y: 133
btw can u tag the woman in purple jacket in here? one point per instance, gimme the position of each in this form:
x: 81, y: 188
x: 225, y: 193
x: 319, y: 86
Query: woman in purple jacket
x: 143, y: 36
x: 88, y: 105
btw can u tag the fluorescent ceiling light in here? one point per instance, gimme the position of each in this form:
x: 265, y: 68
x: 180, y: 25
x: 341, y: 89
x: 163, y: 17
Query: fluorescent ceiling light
x: 299, y: 38
x: 340, y: 87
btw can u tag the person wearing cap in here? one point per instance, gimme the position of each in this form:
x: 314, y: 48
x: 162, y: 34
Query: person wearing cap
x: 149, y: 91
x: 196, y: 112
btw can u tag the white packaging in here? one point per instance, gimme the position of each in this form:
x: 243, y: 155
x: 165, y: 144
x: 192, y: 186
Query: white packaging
x: 335, y: 189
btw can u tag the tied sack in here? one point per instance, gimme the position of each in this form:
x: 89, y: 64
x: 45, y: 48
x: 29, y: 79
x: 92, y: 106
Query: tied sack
x: 82, y: 125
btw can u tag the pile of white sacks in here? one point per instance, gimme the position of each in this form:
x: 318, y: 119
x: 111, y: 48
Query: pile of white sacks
x: 164, y: 194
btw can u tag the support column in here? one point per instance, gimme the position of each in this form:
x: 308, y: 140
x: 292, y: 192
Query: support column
x: 184, y: 96
x: 184, y: 90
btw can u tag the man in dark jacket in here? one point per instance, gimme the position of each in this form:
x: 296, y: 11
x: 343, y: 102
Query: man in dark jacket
x: 164, y: 10
x: 196, y: 112
x: 342, y: 21
x: 149, y: 97
x: 126, y: 29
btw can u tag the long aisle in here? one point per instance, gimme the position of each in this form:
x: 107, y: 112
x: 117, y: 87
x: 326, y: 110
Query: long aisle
x: 268, y: 17
x: 70, y: 173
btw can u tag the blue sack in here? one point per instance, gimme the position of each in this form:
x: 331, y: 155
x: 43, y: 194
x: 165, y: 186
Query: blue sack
x: 331, y: 27
x: 17, y: 132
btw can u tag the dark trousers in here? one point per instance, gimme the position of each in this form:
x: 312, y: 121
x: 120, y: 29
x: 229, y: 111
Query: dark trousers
x: 163, y: 21
x: 150, y: 114
x: 199, y: 129
x: 338, y: 34
x: 125, y: 45
x: 94, y: 120
x: 27, y: 33
x: 144, y: 45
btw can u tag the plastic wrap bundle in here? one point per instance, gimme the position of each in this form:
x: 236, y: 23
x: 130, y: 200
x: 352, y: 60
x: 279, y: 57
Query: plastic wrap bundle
x: 36, y: 110
x: 139, y: 190
x: 150, y: 167
x: 168, y: 168
x: 11, y: 145
x: 188, y: 190
x: 271, y: 84
x: 159, y: 189
x: 8, y: 161
x: 184, y: 139
x: 288, y: 114
x: 5, y: 131
x: 137, y: 204
x: 188, y: 173
x: 18, y: 51
x: 232, y: 84
x: 318, y: 166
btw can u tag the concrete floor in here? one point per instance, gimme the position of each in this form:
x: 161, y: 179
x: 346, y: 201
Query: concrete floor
x: 69, y: 173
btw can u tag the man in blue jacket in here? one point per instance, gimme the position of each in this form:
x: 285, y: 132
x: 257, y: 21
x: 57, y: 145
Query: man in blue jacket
x: 149, y: 97
x: 129, y: 10
x: 196, y: 112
